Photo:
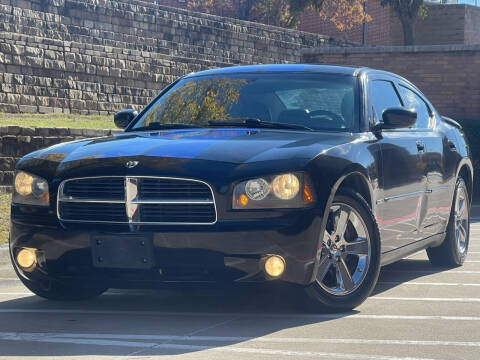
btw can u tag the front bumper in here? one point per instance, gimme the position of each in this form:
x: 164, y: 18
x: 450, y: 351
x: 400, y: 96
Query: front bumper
x: 229, y: 251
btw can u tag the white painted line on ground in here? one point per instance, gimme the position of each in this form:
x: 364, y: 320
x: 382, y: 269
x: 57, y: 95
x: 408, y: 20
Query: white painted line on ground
x: 429, y: 299
x: 440, y: 271
x: 241, y: 315
x: 425, y: 283
x: 184, y: 347
x: 263, y: 339
x: 26, y: 293
x: 16, y: 293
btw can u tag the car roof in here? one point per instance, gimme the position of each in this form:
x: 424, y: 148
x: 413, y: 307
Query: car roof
x: 299, y: 68
x: 268, y: 68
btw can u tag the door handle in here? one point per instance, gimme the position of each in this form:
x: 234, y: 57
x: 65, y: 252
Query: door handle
x: 451, y: 145
x: 420, y: 146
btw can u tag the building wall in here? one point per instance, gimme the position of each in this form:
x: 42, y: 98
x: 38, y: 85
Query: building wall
x: 448, y: 74
x: 98, y: 56
x: 444, y: 24
x: 472, y: 25
x: 378, y: 30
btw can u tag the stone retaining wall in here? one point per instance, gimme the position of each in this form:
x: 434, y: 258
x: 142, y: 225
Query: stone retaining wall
x: 16, y: 141
x: 98, y: 56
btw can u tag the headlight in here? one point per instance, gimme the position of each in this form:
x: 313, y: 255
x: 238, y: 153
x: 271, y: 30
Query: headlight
x: 286, y: 186
x: 257, y: 189
x: 292, y: 190
x: 30, y: 189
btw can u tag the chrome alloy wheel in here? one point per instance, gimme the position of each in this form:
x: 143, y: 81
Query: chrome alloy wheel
x: 346, y: 251
x: 461, y: 219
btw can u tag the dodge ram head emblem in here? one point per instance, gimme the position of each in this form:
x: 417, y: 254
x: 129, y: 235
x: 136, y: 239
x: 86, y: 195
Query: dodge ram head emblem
x: 131, y: 164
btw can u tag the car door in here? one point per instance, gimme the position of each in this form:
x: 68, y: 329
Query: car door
x: 404, y: 183
x: 436, y: 209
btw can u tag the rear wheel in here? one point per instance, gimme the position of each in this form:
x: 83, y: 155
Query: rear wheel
x: 454, y: 248
x: 349, y: 261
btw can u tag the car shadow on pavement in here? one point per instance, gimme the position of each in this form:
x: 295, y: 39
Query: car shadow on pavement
x: 170, y: 322
x: 405, y: 270
x: 233, y: 314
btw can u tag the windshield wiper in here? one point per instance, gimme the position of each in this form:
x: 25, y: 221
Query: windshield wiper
x: 160, y: 126
x: 257, y: 123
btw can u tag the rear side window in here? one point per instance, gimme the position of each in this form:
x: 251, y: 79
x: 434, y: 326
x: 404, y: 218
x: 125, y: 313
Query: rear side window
x: 413, y: 100
x: 382, y: 96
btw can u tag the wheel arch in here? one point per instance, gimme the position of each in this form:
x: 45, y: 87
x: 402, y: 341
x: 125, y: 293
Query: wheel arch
x: 465, y: 170
x: 357, y: 182
x: 355, y: 178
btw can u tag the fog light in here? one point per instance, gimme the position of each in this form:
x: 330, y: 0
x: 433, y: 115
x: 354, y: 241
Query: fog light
x: 274, y: 265
x: 26, y: 258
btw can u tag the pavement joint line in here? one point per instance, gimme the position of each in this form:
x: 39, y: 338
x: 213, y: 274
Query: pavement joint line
x: 263, y: 339
x: 243, y: 315
x: 224, y: 349
x: 139, y: 352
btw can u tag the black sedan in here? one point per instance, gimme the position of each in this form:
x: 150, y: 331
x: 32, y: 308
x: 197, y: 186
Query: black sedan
x: 306, y: 174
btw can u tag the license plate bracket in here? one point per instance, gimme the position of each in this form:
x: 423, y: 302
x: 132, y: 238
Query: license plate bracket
x: 122, y: 251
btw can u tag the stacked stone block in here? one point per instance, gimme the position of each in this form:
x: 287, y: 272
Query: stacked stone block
x: 16, y: 141
x: 98, y: 56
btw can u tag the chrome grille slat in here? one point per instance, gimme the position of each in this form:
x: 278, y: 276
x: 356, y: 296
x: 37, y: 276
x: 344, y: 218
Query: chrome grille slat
x: 136, y: 200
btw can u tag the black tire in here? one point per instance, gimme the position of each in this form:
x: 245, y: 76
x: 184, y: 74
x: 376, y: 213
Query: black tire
x: 450, y: 253
x: 323, y: 300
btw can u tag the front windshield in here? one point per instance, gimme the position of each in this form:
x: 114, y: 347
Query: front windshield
x: 317, y: 101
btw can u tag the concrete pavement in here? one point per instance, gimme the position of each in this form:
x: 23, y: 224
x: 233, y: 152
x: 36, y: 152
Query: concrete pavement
x: 416, y: 312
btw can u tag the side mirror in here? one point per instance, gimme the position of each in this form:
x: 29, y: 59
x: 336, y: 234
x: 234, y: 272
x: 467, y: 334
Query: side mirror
x: 124, y: 117
x: 397, y: 118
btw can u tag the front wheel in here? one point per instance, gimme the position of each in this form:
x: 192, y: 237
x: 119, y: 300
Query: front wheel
x: 349, y: 260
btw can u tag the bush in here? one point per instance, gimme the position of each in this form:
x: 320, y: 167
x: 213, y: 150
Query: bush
x: 472, y: 130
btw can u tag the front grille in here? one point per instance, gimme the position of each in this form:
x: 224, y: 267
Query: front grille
x: 178, y: 212
x: 93, y: 211
x: 136, y: 200
x: 108, y: 188
x: 154, y: 188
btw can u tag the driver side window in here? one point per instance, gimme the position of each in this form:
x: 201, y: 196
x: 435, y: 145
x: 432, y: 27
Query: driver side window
x: 413, y: 100
x: 382, y: 96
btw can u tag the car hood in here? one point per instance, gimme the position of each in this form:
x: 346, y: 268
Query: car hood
x: 233, y: 146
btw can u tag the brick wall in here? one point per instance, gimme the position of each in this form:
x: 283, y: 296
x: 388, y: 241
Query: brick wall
x: 378, y: 30
x: 448, y: 74
x: 472, y: 25
x: 98, y: 56
x: 16, y: 141
x: 443, y: 25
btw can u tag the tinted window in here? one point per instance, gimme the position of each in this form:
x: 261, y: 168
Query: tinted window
x: 383, y: 96
x: 412, y: 100
x: 319, y: 101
